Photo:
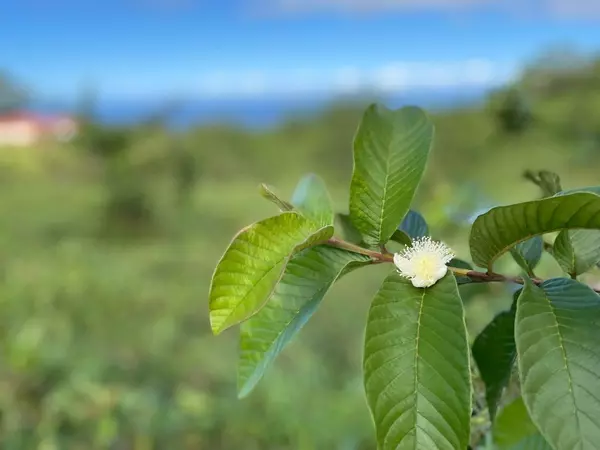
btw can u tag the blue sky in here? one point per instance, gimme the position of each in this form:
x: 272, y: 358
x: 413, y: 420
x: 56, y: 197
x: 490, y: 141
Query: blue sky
x: 260, y: 47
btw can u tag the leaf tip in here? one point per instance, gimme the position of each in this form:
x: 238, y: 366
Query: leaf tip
x: 217, y: 324
x: 243, y: 392
x: 246, y: 385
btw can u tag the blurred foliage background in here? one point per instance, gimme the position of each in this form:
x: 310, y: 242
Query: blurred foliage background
x: 108, y: 244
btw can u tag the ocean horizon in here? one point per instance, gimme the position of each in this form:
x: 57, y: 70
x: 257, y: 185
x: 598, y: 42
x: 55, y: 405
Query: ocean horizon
x: 257, y: 112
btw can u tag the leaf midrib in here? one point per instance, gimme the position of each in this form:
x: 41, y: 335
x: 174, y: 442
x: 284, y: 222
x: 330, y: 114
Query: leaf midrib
x: 565, y: 360
x: 385, y: 187
x: 416, y: 363
x: 253, y: 286
x: 264, y: 275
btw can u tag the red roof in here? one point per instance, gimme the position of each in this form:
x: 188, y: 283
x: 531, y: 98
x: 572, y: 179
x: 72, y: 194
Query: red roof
x: 33, y: 117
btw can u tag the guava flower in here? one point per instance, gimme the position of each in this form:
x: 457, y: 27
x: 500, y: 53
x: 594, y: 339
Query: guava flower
x: 424, y: 263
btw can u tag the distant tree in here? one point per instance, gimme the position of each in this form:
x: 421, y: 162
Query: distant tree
x: 513, y: 112
x: 12, y: 95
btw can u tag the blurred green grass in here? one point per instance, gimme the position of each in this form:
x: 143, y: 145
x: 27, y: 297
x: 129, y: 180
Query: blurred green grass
x: 105, y: 337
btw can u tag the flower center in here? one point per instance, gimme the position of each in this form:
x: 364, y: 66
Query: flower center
x: 426, y: 266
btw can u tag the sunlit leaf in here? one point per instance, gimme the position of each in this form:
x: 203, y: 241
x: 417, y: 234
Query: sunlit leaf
x: 556, y: 333
x: 269, y: 193
x: 414, y: 225
x: 312, y: 199
x: 391, y: 148
x: 416, y: 366
x: 528, y: 253
x: 253, y: 264
x: 494, y: 351
x: 514, y: 430
x: 306, y: 280
x: 577, y: 251
x: 496, y: 231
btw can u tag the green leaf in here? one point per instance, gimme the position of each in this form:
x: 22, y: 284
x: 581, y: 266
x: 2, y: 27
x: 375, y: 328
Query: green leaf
x: 533, y: 442
x: 496, y: 231
x: 253, y: 264
x: 494, y: 351
x: 312, y: 199
x: 514, y: 430
x: 556, y: 333
x: 401, y: 237
x: 592, y: 189
x: 349, y: 231
x: 577, y: 251
x: 268, y: 192
x: 391, y: 148
x: 528, y: 253
x: 414, y: 225
x: 306, y: 280
x: 416, y: 366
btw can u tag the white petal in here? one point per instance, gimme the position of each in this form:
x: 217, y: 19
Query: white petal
x: 421, y: 282
x: 398, y: 259
x: 405, y: 266
x: 439, y: 273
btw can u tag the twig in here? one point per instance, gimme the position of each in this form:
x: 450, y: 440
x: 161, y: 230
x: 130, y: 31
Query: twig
x: 475, y: 276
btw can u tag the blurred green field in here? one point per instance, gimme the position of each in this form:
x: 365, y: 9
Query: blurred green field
x: 104, y: 319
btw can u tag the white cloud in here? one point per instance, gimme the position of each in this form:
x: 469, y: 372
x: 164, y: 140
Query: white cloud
x: 348, y: 79
x: 391, y: 77
x: 405, y: 75
x: 395, y: 76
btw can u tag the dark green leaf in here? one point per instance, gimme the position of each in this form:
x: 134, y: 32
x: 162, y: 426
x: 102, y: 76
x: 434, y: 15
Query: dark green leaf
x: 349, y: 231
x: 312, y: 199
x: 496, y: 231
x: 390, y: 154
x: 514, y: 430
x: 528, y: 253
x: 253, y: 264
x: 494, y: 351
x: 268, y: 192
x: 577, y: 251
x: 306, y: 280
x: 401, y: 237
x: 416, y: 366
x: 414, y: 225
x: 556, y: 333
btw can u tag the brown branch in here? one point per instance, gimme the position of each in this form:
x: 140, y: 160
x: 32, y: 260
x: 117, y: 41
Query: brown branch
x: 475, y: 276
